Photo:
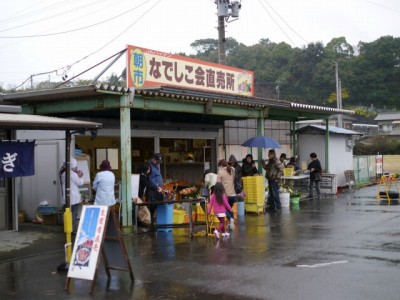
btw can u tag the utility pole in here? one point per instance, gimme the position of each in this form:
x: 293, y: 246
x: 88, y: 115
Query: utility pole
x: 278, y: 89
x: 225, y: 10
x: 338, y: 94
x: 221, y: 40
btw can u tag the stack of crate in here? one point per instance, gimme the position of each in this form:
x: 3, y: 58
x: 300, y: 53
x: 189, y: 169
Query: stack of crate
x: 254, y: 188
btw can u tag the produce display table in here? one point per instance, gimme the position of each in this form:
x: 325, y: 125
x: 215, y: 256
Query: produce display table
x: 190, y: 224
x: 301, y: 181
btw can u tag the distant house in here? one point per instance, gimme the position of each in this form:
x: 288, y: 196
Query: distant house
x: 366, y: 129
x: 388, y: 123
x: 347, y: 122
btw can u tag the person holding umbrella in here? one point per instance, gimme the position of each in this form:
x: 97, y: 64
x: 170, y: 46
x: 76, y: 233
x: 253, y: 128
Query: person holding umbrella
x: 249, y: 166
x: 273, y: 172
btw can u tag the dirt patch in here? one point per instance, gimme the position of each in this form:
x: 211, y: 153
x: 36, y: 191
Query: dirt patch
x: 391, y: 163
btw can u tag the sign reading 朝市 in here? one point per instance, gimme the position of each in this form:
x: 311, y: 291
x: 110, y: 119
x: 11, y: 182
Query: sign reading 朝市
x: 148, y: 68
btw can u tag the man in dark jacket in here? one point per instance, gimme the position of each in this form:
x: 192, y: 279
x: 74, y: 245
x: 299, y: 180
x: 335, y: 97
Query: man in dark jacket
x: 249, y: 166
x: 315, y: 175
x: 273, y: 172
x: 148, y: 189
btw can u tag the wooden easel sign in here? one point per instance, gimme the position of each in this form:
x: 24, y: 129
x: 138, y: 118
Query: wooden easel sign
x: 87, y: 246
x: 98, y: 232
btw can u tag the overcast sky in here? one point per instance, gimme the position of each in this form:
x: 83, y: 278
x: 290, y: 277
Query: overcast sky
x: 70, y: 36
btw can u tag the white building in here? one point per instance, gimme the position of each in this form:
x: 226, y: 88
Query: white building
x: 312, y: 138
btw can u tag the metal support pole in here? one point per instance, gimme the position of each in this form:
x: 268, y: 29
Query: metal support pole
x: 293, y: 137
x: 338, y: 94
x: 260, y: 132
x: 126, y: 164
x: 67, y: 214
x: 67, y: 191
x: 327, y: 146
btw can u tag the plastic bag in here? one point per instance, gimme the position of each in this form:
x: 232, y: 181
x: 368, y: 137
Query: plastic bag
x: 144, y: 216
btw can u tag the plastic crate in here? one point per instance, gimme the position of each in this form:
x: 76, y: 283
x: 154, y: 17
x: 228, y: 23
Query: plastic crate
x: 50, y: 219
x: 254, y: 207
x: 288, y: 172
x: 47, y: 210
x: 179, y: 216
x: 328, y: 184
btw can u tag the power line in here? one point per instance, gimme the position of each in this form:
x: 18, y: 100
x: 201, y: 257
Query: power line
x: 76, y: 29
x: 121, y: 33
x: 284, y: 21
x: 54, y: 5
x: 38, y: 12
x: 66, y: 68
x: 16, y: 16
x: 277, y: 24
x: 382, y: 6
x: 51, y: 17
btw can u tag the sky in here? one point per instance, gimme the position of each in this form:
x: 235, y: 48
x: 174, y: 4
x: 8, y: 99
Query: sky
x: 67, y: 37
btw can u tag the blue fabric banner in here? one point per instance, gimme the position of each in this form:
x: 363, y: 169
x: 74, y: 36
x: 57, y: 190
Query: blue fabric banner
x: 17, y: 159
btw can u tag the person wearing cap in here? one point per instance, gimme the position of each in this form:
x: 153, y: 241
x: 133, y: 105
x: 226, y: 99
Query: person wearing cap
x: 147, y: 190
x: 103, y: 184
x: 75, y: 197
x: 155, y: 176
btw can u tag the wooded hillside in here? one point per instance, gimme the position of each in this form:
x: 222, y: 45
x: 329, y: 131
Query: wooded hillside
x: 369, y: 72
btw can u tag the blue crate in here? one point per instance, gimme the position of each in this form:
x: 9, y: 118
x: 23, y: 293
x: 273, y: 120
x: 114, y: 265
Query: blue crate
x: 47, y: 210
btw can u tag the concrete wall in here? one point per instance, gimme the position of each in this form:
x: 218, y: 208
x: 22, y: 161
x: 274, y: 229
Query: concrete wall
x: 45, y: 184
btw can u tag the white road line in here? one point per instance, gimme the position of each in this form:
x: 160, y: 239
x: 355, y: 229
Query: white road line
x: 323, y: 264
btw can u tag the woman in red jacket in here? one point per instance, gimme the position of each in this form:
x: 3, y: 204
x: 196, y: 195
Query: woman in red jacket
x: 219, y: 202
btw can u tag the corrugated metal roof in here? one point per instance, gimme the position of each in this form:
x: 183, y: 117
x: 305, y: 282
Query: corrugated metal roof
x: 390, y: 116
x: 22, y: 121
x: 332, y: 129
x: 62, y: 93
x: 163, y: 92
x: 320, y: 108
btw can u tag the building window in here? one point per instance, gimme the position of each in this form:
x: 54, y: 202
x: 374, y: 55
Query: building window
x: 237, y: 132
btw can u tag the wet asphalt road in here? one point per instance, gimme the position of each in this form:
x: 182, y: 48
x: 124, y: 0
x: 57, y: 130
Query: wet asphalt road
x: 341, y: 247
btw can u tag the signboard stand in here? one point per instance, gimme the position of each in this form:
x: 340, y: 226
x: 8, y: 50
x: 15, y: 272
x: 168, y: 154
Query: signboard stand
x: 114, y: 251
x: 98, y: 232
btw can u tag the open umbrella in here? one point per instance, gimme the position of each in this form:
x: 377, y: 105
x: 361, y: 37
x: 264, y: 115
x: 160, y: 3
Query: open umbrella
x: 261, y: 142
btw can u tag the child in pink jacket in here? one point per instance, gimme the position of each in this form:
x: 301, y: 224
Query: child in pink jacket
x: 219, y: 201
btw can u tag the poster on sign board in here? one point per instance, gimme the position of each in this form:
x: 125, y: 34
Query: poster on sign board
x: 88, y: 242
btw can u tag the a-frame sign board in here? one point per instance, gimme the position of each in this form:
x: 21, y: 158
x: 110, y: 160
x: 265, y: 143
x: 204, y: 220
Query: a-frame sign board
x: 98, y: 232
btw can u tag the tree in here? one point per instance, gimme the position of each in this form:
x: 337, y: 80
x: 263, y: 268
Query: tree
x: 339, y: 48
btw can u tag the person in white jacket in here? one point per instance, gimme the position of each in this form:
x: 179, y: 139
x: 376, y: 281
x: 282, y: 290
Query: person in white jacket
x: 103, y: 184
x: 75, y: 196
